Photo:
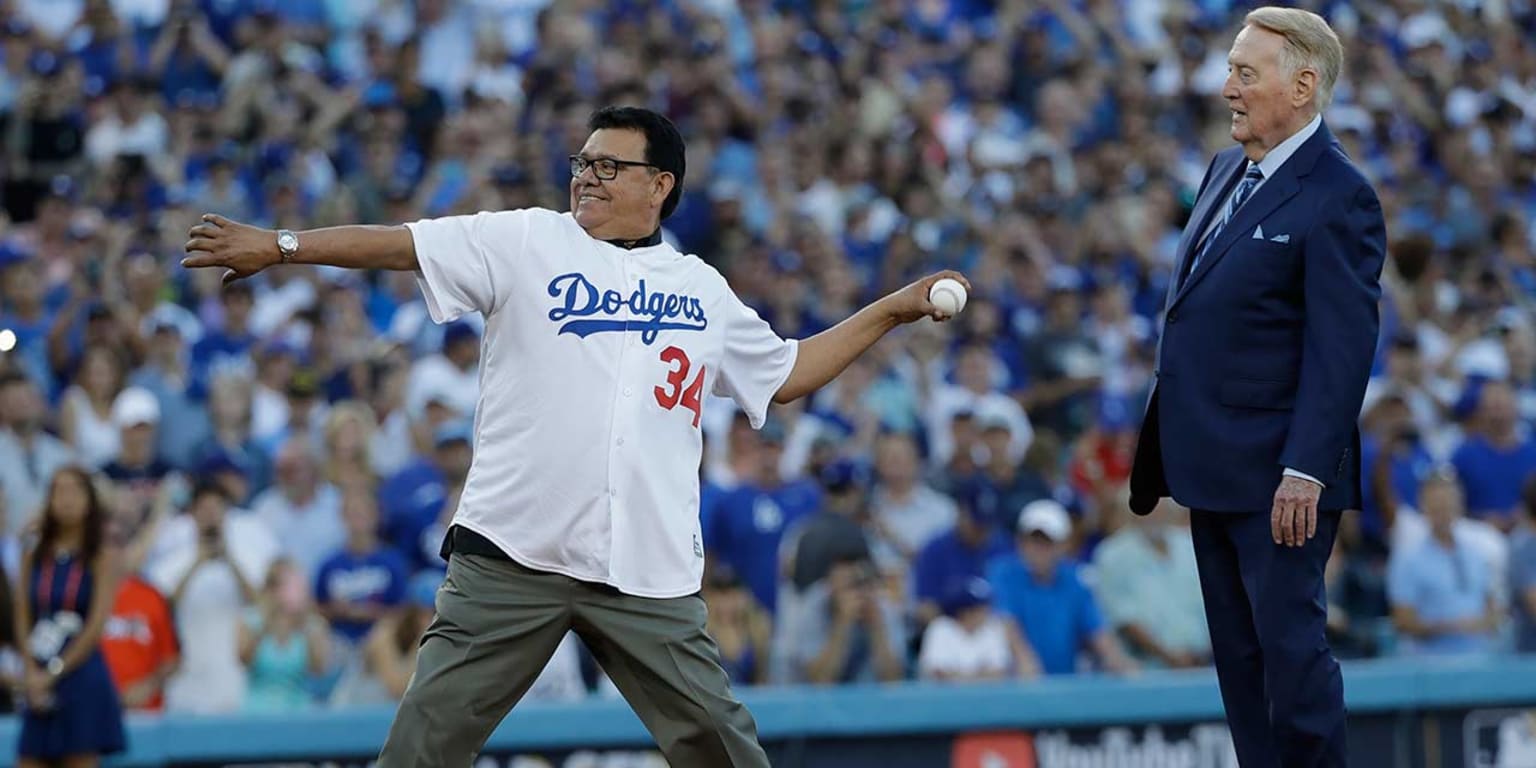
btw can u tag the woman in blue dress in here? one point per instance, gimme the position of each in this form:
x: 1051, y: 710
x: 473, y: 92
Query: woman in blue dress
x: 71, y: 715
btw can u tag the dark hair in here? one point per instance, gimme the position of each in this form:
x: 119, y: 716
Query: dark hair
x: 663, y: 144
x: 209, y: 485
x: 95, y: 523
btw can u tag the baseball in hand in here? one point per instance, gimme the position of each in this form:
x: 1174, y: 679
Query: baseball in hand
x: 948, y: 294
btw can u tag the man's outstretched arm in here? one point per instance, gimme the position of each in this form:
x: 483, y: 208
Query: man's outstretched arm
x: 823, y: 356
x: 243, y: 250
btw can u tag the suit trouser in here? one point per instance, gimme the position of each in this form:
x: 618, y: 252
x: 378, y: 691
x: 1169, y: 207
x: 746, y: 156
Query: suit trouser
x: 497, y: 626
x: 1267, y: 612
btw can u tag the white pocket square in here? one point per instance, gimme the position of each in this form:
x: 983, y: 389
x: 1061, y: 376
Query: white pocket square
x: 1280, y: 239
x: 1258, y: 232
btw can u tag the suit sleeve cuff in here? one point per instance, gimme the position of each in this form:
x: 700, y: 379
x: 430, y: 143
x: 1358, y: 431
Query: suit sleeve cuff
x: 1294, y: 473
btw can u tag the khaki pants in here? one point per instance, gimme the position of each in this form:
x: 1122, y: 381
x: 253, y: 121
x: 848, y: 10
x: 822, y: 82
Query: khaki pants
x: 498, y: 624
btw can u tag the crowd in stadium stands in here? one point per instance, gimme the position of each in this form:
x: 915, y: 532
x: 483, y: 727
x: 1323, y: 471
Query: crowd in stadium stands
x: 278, y: 458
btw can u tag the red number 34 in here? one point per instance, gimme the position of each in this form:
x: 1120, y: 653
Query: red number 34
x: 674, y: 394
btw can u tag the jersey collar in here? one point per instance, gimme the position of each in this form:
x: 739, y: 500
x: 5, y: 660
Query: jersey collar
x: 645, y: 242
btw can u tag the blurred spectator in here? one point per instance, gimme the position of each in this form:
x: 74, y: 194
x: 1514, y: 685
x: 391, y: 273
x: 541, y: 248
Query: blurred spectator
x: 165, y: 375
x: 413, y: 501
x: 383, y: 669
x: 971, y: 642
x: 140, y: 644
x: 1442, y: 588
x: 208, y: 565
x: 1042, y: 590
x: 63, y: 601
x: 907, y: 512
x: 1497, y: 456
x: 86, y: 411
x: 28, y: 455
x: 750, y: 521
x: 843, y: 630
x: 956, y: 557
x: 136, y: 470
x: 301, y: 509
x: 1147, y: 583
x: 283, y: 643
x: 739, y: 626
x: 1066, y: 367
x: 1522, y: 571
x: 451, y: 376
x: 980, y: 379
x: 834, y: 534
x: 364, y: 580
x: 229, y: 433
x: 347, y: 444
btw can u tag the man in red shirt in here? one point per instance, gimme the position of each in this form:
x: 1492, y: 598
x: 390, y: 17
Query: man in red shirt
x: 140, y: 645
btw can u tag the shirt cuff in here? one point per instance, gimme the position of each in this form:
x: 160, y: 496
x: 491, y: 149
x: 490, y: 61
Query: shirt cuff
x: 1293, y: 473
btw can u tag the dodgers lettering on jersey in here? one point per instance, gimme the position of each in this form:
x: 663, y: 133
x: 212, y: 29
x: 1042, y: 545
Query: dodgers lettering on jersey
x: 579, y: 298
x: 594, y: 365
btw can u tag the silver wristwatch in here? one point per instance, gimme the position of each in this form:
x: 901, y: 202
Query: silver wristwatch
x: 287, y: 244
x: 55, y: 666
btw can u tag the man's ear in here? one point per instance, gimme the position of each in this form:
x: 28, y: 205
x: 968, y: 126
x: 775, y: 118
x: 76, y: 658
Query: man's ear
x: 1304, y: 87
x: 663, y: 184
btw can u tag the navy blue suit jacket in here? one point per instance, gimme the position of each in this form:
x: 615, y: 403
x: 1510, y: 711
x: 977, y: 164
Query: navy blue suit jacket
x: 1267, y: 345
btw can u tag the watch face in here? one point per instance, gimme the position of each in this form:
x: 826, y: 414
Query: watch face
x: 288, y: 241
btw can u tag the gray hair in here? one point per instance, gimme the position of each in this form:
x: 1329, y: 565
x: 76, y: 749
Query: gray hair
x: 1309, y: 44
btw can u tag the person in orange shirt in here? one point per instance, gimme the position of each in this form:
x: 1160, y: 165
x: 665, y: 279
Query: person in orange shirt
x: 140, y: 645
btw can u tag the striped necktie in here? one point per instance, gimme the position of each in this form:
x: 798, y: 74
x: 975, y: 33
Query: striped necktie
x: 1245, y: 188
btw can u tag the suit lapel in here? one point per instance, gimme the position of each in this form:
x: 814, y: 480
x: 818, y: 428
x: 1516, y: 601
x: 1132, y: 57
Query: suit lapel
x: 1265, y: 200
x: 1200, y: 218
x: 1278, y: 189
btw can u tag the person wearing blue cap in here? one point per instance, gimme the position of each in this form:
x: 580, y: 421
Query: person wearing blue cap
x: 970, y: 641
x: 962, y: 552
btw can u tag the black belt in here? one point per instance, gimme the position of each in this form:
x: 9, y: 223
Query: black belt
x: 461, y: 539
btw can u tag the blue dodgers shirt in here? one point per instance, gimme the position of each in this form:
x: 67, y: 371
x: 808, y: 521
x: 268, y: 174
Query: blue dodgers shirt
x: 946, y: 561
x: 347, y: 577
x: 1492, y: 476
x: 1058, y: 617
x: 749, y: 525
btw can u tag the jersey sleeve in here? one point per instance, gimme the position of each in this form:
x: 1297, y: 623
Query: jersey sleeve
x: 468, y: 262
x: 756, y: 361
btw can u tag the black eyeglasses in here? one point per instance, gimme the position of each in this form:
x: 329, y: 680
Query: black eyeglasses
x: 605, y: 168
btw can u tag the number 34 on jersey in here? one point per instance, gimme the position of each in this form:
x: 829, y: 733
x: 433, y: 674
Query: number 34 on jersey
x: 675, y: 392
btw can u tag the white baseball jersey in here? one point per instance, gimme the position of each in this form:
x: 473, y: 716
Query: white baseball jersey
x: 594, y: 364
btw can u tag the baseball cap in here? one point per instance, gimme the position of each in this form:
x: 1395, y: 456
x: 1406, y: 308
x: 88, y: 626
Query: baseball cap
x: 977, y: 498
x: 1047, y: 517
x: 966, y: 594
x: 135, y: 406
x: 839, y: 476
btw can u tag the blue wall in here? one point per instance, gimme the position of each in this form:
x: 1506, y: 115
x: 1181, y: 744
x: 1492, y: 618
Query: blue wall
x: 1375, y: 686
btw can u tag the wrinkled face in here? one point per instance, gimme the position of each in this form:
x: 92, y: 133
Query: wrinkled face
x: 629, y: 204
x: 1268, y: 104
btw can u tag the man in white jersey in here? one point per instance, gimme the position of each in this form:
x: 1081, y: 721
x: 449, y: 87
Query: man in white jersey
x: 581, y: 509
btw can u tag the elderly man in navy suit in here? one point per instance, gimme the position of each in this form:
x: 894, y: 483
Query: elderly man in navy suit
x: 1267, y: 341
